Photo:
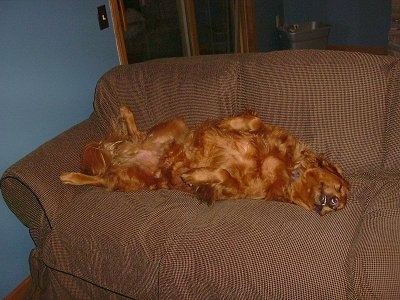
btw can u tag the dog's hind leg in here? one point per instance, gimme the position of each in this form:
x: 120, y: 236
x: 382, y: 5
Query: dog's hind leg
x: 127, y: 116
x: 75, y: 178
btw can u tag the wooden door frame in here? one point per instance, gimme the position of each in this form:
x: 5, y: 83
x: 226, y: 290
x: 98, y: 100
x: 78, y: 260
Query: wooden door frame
x: 120, y: 26
x: 190, y: 40
x: 245, y: 27
x: 246, y: 33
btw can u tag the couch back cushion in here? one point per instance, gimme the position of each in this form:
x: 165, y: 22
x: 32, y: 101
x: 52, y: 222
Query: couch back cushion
x: 392, y: 150
x: 196, y: 89
x: 335, y: 101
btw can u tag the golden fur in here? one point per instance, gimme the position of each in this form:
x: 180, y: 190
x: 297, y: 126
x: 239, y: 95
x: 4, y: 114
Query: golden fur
x: 233, y: 158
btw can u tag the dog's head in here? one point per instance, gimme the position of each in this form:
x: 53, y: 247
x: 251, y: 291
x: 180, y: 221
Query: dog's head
x: 321, y: 187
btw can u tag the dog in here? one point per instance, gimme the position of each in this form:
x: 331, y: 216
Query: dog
x: 231, y: 158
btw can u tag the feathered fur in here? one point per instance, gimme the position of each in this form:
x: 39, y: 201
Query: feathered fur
x: 233, y: 158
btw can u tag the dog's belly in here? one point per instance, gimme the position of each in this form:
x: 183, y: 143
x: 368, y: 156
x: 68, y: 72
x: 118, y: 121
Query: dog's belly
x: 234, y: 164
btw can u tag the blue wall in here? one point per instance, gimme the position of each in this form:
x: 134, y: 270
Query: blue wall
x: 51, y: 55
x: 265, y: 13
x: 354, y: 23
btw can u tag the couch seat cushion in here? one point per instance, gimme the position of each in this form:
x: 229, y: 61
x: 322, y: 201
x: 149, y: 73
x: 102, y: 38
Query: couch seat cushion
x: 165, y: 244
x: 260, y: 250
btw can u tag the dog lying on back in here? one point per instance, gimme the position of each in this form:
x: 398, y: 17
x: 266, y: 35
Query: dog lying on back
x: 233, y: 158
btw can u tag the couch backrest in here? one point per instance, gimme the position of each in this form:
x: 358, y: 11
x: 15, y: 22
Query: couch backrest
x: 338, y: 102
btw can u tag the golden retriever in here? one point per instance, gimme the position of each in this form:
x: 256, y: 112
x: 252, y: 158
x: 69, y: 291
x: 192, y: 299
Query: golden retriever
x: 233, y: 158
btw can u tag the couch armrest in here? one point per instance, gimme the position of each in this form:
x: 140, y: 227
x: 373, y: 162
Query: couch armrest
x: 31, y: 187
x: 374, y: 259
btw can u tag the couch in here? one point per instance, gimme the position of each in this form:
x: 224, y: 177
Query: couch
x: 94, y: 244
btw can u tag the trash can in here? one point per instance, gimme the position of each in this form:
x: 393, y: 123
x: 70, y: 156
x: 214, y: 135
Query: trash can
x: 310, y: 35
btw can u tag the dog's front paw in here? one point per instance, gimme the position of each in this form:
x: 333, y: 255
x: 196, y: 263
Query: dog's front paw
x: 202, y: 191
x: 187, y: 179
x: 200, y: 176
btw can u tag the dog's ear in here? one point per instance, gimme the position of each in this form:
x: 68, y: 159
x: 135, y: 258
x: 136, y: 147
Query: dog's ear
x: 332, y: 167
x: 94, y: 160
x: 338, y: 169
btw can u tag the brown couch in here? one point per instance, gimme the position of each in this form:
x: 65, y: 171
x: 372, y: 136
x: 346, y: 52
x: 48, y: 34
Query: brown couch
x: 94, y: 244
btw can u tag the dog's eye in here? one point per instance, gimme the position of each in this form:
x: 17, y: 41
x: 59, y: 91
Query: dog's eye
x: 323, y: 200
x: 333, y: 202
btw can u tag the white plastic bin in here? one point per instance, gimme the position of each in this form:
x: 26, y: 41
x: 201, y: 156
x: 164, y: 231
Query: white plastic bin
x: 310, y: 35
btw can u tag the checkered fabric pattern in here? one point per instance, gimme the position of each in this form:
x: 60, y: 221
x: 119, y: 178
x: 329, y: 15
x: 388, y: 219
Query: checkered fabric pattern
x: 94, y: 244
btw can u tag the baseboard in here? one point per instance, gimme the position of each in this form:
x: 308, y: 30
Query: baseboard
x: 20, y: 292
x: 371, y: 50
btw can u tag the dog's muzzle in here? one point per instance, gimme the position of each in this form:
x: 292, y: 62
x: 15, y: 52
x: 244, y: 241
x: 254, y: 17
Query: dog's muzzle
x: 327, y: 201
x: 331, y: 201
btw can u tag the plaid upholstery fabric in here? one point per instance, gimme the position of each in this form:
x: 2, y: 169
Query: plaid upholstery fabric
x: 374, y: 259
x: 124, y: 239
x: 392, y: 154
x: 196, y: 89
x: 93, y: 244
x: 166, y: 248
x: 331, y: 99
x: 264, y: 251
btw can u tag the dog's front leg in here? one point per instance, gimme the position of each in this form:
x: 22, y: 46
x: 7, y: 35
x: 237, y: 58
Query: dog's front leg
x: 245, y: 122
x: 211, y: 184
